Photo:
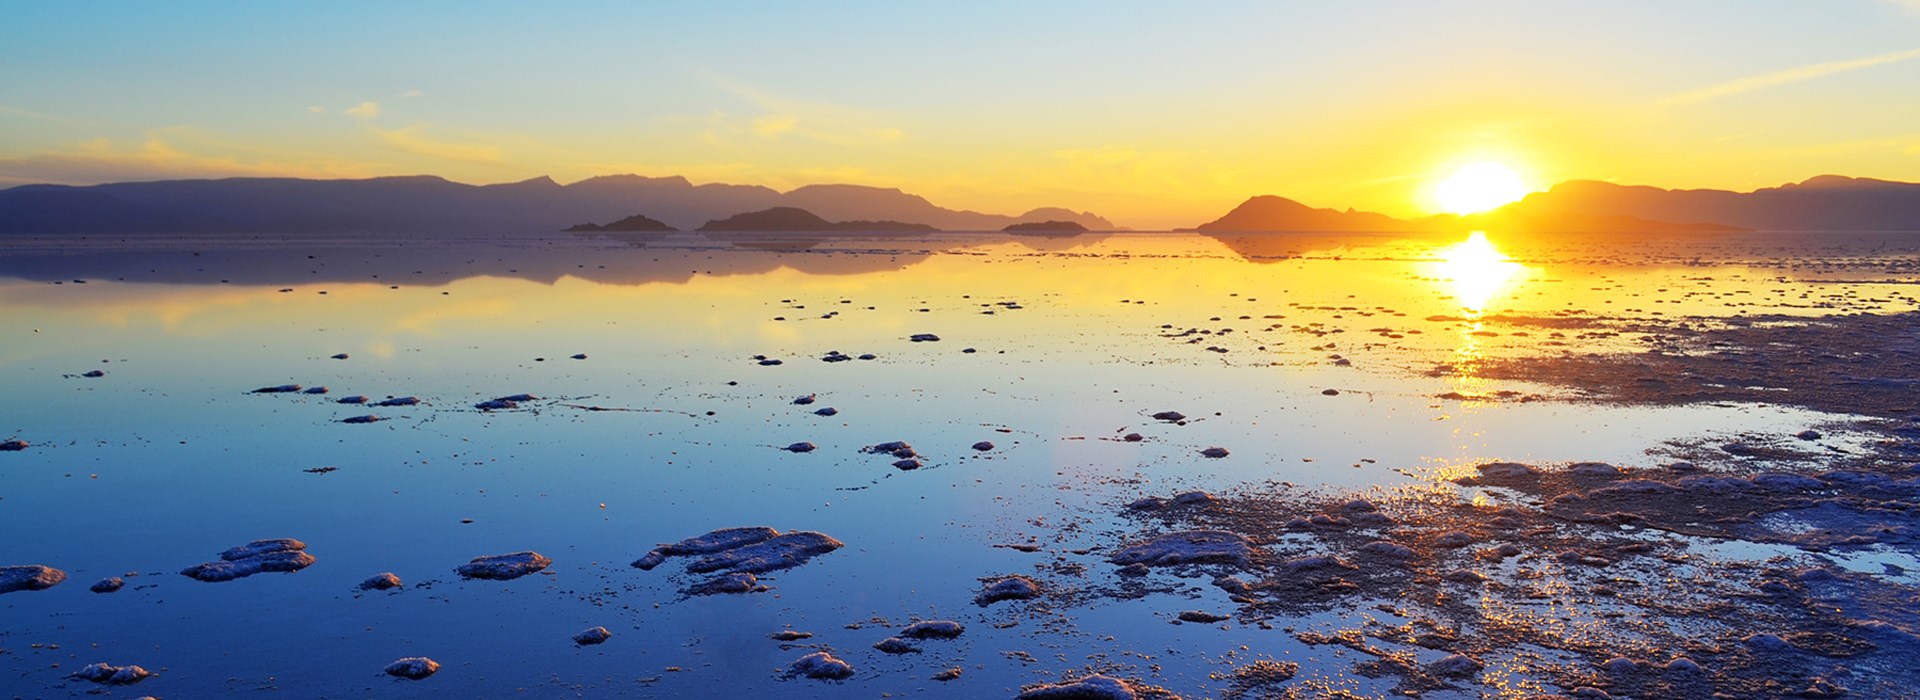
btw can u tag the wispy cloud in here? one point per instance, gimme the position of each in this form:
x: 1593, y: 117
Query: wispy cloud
x: 411, y: 93
x: 1791, y: 75
x: 781, y: 116
x: 364, y: 110
x: 165, y: 154
x: 414, y: 140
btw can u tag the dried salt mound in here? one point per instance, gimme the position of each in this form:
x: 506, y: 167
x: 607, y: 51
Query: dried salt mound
x: 779, y: 552
x: 281, y: 389
x: 1188, y: 547
x: 504, y: 567
x: 13, y: 445
x: 112, y: 675
x: 1453, y: 540
x: 1309, y: 564
x: 1638, y: 487
x: 896, y: 645
x: 381, y: 582
x: 413, y: 668
x: 893, y: 448
x: 1015, y: 587
x: 1389, y: 550
x: 108, y: 584
x: 361, y: 419
x: 1455, y: 666
x: 1094, y: 687
x: 30, y: 577
x: 716, y: 541
x: 1201, y: 616
x: 401, y: 401
x: 800, y: 447
x: 1214, y: 452
x: 592, y: 635
x: 1696, y: 484
x: 726, y: 583
x: 258, y: 556
x: 820, y: 665
x: 1170, y: 416
x: 1782, y: 481
x: 500, y: 404
x: 790, y: 635
x: 1507, y: 470
x: 1594, y: 470
x: 982, y: 446
x: 933, y: 629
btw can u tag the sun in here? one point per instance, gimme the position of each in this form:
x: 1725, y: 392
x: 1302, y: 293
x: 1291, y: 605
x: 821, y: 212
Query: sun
x: 1477, y: 187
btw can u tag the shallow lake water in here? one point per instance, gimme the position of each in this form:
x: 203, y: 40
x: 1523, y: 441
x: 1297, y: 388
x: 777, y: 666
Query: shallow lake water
x: 1334, y: 362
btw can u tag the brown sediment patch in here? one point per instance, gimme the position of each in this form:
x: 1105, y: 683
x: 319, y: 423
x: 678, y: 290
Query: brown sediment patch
x: 1581, y: 576
x: 1863, y: 364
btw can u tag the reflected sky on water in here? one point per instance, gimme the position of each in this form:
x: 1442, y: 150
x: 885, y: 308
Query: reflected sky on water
x: 1049, y: 347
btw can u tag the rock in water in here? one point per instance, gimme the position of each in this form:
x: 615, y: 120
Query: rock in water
x: 401, y: 401
x: 1015, y: 587
x: 111, y: 674
x: 982, y: 446
x: 592, y: 635
x: 799, y: 447
x: 504, y: 567
x: 896, y: 645
x: 31, y: 577
x: 13, y: 446
x: 1170, y: 416
x: 108, y: 584
x: 281, y: 389
x: 413, y: 668
x: 1094, y: 687
x: 933, y: 629
x: 283, y: 555
x: 1214, y: 452
x: 716, y: 541
x: 779, y: 552
x: 923, y: 338
x: 381, y: 582
x: 821, y: 665
x: 1188, y: 547
x: 726, y: 583
x: 351, y: 399
x: 1201, y: 616
x: 361, y: 419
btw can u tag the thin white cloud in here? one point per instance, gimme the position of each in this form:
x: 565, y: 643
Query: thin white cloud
x: 414, y: 140
x: 315, y: 109
x: 412, y: 93
x: 364, y: 110
x: 1791, y: 75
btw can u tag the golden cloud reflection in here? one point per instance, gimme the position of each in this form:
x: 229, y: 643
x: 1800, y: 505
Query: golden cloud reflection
x: 1477, y: 271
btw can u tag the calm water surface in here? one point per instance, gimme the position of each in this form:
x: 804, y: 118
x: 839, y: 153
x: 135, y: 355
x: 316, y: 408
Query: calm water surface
x: 1050, y: 347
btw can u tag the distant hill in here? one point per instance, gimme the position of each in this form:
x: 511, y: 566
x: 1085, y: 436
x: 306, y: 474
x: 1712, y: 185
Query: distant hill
x: 1046, y: 227
x: 1824, y: 203
x: 428, y: 204
x: 1269, y: 213
x: 635, y: 223
x: 796, y: 219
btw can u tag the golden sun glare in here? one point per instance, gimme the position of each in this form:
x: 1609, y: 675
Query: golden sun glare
x: 1477, y: 187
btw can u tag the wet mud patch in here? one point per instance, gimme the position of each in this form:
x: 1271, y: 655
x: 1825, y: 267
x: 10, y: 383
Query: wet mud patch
x: 1580, y: 580
x: 1863, y: 364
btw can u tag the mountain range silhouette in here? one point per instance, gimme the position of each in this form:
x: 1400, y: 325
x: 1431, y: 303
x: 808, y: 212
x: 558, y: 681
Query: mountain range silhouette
x: 430, y: 205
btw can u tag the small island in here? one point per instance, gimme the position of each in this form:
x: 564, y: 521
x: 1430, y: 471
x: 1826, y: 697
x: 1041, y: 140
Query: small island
x: 796, y: 219
x: 637, y: 222
x: 1046, y: 227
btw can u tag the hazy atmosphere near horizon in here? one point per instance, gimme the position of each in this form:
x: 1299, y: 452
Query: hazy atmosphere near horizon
x: 1049, y: 351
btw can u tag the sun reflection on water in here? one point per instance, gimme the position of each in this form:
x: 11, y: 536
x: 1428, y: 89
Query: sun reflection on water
x: 1477, y: 271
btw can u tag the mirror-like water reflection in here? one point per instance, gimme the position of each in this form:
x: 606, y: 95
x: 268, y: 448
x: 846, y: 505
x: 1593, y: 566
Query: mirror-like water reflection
x: 1334, y: 362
